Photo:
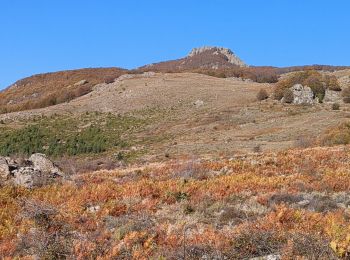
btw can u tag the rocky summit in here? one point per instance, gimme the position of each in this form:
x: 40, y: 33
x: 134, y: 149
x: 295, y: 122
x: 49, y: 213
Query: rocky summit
x: 227, y: 53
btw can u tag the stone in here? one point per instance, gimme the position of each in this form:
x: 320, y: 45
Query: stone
x: 303, y: 203
x: 267, y: 257
x: 37, y: 171
x: 332, y: 96
x: 81, y: 82
x: 93, y: 209
x: 43, y: 164
x: 26, y: 177
x: 302, y: 95
x: 198, y: 103
x: 4, y: 169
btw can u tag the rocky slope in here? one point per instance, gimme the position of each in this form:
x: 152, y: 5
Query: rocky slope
x: 200, y: 58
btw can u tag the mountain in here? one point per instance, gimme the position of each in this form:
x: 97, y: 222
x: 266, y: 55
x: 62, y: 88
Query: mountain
x: 200, y: 58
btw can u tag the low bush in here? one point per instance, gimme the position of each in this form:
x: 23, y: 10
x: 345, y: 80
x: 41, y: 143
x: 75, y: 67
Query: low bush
x: 288, y: 96
x: 335, y: 106
x: 262, y: 95
x: 336, y: 136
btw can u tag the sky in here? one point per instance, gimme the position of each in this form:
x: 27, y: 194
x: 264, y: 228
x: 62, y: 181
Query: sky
x: 40, y: 36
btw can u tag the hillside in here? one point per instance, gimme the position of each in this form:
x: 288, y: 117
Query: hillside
x: 292, y: 204
x: 156, y: 116
x: 48, y: 89
x: 43, y: 90
x: 201, y: 162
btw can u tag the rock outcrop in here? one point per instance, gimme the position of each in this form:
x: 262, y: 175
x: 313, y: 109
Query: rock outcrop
x: 332, y: 96
x: 302, y: 95
x: 37, y: 171
x: 231, y: 57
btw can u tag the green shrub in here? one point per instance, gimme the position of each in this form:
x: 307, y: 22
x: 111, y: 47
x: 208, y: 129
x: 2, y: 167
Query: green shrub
x: 57, y: 136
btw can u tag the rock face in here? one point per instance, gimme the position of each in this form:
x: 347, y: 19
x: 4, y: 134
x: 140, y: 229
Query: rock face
x: 37, y: 171
x: 231, y: 57
x: 4, y: 169
x: 303, y: 95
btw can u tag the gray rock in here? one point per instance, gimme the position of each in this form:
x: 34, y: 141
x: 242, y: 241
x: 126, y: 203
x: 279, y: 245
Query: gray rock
x: 93, y: 209
x: 43, y: 164
x: 332, y: 96
x: 26, y: 177
x: 303, y: 95
x: 4, y: 169
x: 198, y: 103
x: 35, y: 172
x: 267, y: 257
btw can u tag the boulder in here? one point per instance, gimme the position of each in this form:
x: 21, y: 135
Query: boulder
x: 37, y: 171
x: 303, y: 95
x: 198, y: 103
x: 4, y: 169
x: 26, y: 177
x: 43, y: 164
x: 332, y: 96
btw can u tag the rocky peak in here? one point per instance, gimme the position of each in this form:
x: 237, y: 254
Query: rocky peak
x: 230, y: 56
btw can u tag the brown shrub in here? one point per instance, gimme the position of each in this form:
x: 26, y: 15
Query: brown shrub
x: 262, y: 95
x: 255, y: 243
x: 332, y: 83
x: 308, y: 246
x: 336, y: 136
x: 335, y: 106
x: 304, y: 141
x: 109, y: 80
x: 288, y: 96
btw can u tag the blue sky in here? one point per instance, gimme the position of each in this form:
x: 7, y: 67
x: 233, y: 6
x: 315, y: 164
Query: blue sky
x: 41, y: 36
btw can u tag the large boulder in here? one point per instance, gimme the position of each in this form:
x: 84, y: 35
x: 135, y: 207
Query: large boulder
x: 4, y: 169
x: 37, y: 171
x: 27, y: 177
x: 332, y: 96
x: 303, y: 95
x: 43, y: 164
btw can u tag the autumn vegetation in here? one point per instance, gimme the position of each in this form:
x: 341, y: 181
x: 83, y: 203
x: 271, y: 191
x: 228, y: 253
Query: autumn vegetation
x: 311, y: 78
x: 49, y: 89
x: 294, y: 204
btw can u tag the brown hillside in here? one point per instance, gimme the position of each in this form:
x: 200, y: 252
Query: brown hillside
x: 47, y: 89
